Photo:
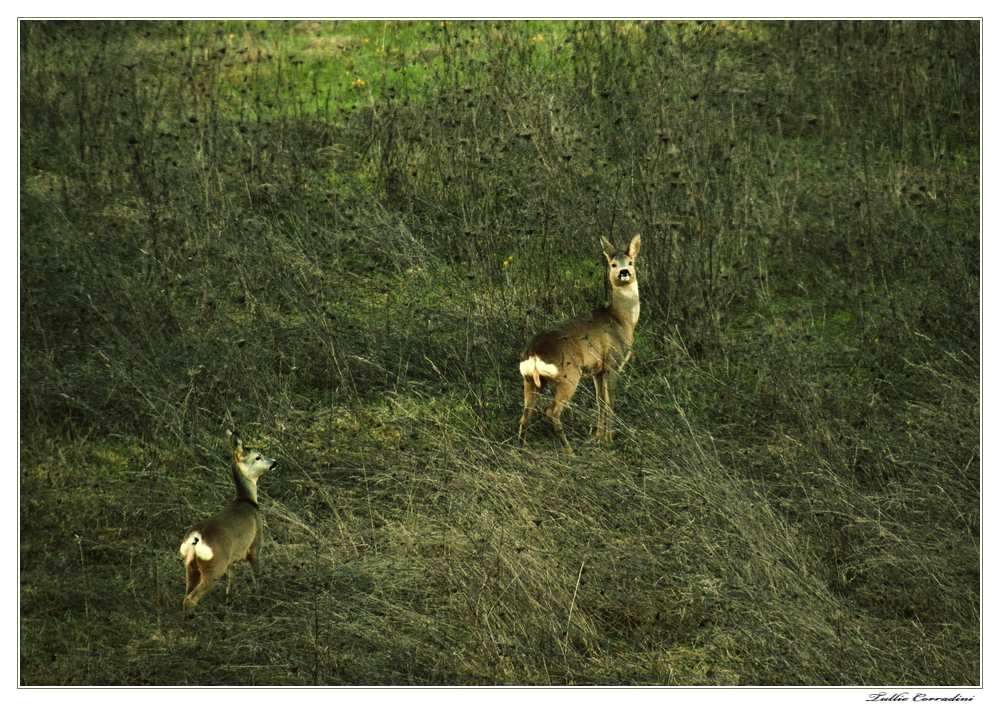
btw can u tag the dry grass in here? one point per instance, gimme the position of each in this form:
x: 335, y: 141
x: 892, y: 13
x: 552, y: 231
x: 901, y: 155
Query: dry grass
x: 793, y: 494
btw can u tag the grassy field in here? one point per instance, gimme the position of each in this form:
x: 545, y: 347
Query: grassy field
x: 336, y: 238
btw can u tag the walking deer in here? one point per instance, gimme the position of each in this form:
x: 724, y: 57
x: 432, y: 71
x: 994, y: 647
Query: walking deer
x: 598, y: 346
x: 212, y: 546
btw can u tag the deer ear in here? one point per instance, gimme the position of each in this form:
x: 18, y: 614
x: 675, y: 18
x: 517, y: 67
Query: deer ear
x: 633, y: 247
x: 609, y: 249
x: 235, y: 442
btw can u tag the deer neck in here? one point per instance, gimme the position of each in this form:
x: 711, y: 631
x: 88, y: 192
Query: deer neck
x: 246, y: 489
x: 624, y: 305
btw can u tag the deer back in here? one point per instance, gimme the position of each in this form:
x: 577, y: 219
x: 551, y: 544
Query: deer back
x: 591, y: 344
x: 231, y: 532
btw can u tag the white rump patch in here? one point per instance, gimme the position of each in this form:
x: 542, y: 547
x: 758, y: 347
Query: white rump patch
x: 194, y: 546
x: 533, y: 367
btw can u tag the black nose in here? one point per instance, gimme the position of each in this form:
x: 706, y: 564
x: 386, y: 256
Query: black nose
x: 624, y: 274
x: 272, y: 466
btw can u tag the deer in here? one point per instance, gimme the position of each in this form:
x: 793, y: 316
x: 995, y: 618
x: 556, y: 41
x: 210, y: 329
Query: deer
x: 211, y: 547
x: 598, y: 346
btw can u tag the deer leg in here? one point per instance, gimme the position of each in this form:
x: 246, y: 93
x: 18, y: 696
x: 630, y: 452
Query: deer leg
x: 599, y: 431
x: 530, y: 397
x: 607, y: 380
x: 191, y: 576
x: 553, y: 412
x: 203, y: 587
x: 252, y: 559
x: 563, y: 393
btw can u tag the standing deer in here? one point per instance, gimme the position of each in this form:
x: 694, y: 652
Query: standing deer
x: 599, y: 346
x: 212, y: 546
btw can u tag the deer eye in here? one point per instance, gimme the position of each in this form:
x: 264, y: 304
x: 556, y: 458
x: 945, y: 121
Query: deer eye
x: 614, y: 264
x: 258, y: 458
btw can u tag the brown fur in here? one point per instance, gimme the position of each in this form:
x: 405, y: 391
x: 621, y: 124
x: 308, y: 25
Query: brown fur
x: 597, y: 346
x: 234, y: 534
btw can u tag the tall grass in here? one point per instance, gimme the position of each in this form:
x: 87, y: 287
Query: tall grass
x: 337, y: 236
